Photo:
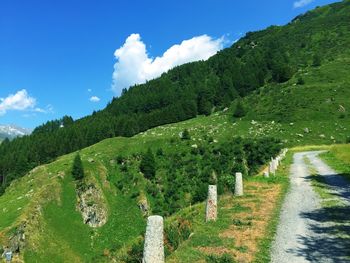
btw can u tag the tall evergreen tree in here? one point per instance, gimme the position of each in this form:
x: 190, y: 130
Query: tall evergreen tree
x: 148, y: 165
x: 186, y: 135
x: 239, y: 111
x: 78, y: 169
x: 316, y: 61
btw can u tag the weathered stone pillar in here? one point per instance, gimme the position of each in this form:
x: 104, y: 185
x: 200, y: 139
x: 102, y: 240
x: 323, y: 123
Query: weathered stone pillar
x: 272, y: 168
x: 239, y: 184
x: 153, y: 251
x: 212, y: 206
x: 275, y: 163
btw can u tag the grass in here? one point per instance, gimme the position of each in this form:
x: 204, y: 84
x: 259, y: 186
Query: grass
x: 338, y: 157
x: 62, y: 226
x: 282, y: 177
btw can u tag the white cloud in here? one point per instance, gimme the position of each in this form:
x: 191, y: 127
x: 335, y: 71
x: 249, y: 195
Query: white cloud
x: 95, y: 99
x: 302, y: 3
x: 48, y: 109
x: 134, y: 66
x: 20, y: 101
x: 39, y: 110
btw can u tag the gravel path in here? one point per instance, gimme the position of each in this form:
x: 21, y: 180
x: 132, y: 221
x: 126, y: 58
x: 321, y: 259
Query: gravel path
x: 308, y: 232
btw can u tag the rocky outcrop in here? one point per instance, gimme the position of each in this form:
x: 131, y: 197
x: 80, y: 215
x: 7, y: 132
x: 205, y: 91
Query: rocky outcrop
x: 143, y: 204
x: 18, y: 238
x: 91, y: 205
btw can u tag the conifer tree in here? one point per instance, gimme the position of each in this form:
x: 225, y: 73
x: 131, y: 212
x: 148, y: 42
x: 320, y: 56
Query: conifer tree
x: 316, y: 61
x: 186, y: 135
x: 77, y: 169
x: 239, y: 111
x: 148, y: 165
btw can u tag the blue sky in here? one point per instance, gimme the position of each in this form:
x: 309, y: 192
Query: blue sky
x: 58, y: 57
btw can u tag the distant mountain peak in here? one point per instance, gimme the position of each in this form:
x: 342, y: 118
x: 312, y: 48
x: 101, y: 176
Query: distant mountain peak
x: 12, y: 131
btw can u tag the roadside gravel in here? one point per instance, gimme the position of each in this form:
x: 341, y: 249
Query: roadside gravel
x: 306, y: 232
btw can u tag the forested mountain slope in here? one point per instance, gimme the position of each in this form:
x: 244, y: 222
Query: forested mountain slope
x: 261, y: 59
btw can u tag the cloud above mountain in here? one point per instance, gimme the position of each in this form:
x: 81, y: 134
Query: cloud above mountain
x: 135, y: 66
x: 21, y: 101
x: 301, y: 3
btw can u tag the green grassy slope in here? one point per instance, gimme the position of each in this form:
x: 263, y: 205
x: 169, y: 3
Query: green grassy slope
x: 46, y: 201
x: 322, y: 97
x: 320, y: 105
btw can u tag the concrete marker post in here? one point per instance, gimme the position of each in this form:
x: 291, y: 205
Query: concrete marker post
x: 271, y: 168
x: 239, y: 184
x: 153, y: 251
x: 211, y: 208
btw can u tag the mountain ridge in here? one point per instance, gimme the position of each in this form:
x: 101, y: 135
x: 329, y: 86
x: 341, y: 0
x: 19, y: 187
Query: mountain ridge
x: 11, y: 131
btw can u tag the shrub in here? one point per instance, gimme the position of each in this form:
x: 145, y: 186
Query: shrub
x: 347, y: 140
x: 120, y: 159
x: 316, y: 61
x: 160, y: 152
x: 135, y: 253
x: 342, y: 115
x: 123, y: 168
x: 227, y: 182
x: 186, y: 135
x: 176, y: 232
x: 2, y: 190
x: 151, y: 189
x: 300, y: 81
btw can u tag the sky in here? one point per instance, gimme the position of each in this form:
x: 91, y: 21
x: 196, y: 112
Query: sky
x: 72, y: 57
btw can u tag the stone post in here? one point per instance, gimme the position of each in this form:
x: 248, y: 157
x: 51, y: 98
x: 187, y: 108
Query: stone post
x: 211, y: 210
x: 271, y: 168
x: 239, y: 184
x: 275, y: 163
x: 153, y: 251
x: 266, y: 174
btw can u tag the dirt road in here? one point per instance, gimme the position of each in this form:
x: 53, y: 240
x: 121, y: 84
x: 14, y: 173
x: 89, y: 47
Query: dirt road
x: 308, y: 232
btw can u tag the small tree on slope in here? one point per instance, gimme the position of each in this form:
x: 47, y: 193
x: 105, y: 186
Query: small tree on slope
x: 77, y: 169
x: 148, y: 165
x: 239, y: 111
